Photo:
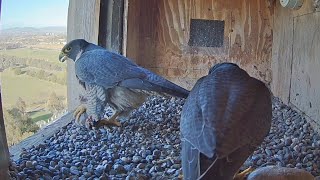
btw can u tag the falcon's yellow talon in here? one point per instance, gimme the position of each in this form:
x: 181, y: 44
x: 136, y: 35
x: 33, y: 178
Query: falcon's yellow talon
x: 109, y: 122
x: 79, y: 111
x: 117, y: 123
x: 243, y: 174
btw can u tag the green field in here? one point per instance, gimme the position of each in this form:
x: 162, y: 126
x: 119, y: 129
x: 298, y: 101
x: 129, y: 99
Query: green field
x: 41, y: 115
x: 30, y: 89
x: 46, y: 54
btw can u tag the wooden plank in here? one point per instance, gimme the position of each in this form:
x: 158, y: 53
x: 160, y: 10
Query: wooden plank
x: 125, y: 27
x: 40, y: 136
x: 110, y: 25
x: 282, y: 52
x: 83, y: 22
x: 114, y: 25
x: 251, y: 37
x: 307, y: 8
x: 4, y: 152
x: 133, y: 29
x: 305, y: 83
x: 103, y: 21
x: 158, y: 36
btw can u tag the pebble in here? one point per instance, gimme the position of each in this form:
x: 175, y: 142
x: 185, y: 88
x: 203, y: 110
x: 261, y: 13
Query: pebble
x: 141, y: 166
x: 142, y: 146
x: 119, y: 168
x: 171, y: 171
x: 156, y: 154
x: 65, y: 170
x: 74, y: 170
x: 136, y: 159
x: 29, y: 164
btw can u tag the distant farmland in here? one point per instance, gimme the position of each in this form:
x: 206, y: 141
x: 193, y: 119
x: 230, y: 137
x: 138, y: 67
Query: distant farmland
x: 32, y: 90
x: 45, y: 54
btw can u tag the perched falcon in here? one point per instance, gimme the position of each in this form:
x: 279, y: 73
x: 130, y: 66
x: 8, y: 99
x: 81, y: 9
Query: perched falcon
x: 112, y: 79
x: 224, y: 119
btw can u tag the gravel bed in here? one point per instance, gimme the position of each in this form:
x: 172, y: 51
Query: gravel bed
x: 147, y: 146
x: 291, y: 142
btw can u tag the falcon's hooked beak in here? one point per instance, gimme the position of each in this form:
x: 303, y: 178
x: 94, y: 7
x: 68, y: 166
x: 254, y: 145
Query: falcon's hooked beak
x: 63, y: 57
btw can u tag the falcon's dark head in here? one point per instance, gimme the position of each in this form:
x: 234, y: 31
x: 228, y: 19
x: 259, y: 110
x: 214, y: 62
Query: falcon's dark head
x: 73, y: 50
x: 222, y: 65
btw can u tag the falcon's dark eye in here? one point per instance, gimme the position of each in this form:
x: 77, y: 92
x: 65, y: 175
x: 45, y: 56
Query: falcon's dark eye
x: 68, y: 49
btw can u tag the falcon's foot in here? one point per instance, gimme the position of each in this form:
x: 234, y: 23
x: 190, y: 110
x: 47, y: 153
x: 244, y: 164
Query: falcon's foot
x: 83, y: 119
x: 242, y: 175
x: 112, y: 122
x: 107, y: 123
x: 78, y: 112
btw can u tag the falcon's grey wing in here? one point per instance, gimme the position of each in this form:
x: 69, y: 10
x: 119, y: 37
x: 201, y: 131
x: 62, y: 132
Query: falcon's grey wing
x: 190, y: 158
x: 104, y: 68
x: 213, y: 119
x: 108, y: 69
x: 219, y: 100
x: 189, y: 153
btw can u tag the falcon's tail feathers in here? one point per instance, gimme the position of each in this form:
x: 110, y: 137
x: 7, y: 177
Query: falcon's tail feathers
x: 190, y: 160
x: 137, y: 83
x: 161, y: 84
x: 171, y: 89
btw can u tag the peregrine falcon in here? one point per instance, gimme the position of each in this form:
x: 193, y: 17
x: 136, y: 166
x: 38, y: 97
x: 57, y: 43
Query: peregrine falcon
x: 110, y: 78
x: 224, y: 119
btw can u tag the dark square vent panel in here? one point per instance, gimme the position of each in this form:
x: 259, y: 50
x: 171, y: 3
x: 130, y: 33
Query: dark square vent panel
x: 206, y: 33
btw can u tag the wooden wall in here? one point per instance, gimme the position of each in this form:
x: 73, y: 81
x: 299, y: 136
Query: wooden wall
x: 295, y: 59
x: 83, y: 22
x: 157, y: 37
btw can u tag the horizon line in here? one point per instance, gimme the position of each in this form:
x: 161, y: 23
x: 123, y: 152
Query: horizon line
x: 36, y: 27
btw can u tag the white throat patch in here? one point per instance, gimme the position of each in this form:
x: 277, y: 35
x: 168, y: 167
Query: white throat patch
x: 78, y: 55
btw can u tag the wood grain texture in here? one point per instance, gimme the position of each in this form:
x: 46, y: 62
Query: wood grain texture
x: 125, y: 27
x: 295, y: 60
x: 305, y: 83
x: 282, y: 52
x: 158, y: 37
x: 307, y: 8
x: 132, y: 39
x: 114, y: 25
x: 83, y: 22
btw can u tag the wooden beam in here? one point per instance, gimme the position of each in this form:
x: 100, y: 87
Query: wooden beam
x: 102, y: 38
x: 111, y: 24
x: 282, y: 52
x: 4, y: 153
x: 125, y: 27
x: 83, y: 22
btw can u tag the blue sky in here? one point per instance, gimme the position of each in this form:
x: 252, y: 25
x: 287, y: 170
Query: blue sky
x: 33, y: 13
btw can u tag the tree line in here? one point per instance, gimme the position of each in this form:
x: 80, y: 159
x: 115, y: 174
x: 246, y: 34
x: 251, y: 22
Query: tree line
x: 42, y: 74
x: 7, y: 61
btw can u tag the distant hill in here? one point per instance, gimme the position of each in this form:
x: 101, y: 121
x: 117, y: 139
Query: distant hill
x: 34, y: 31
